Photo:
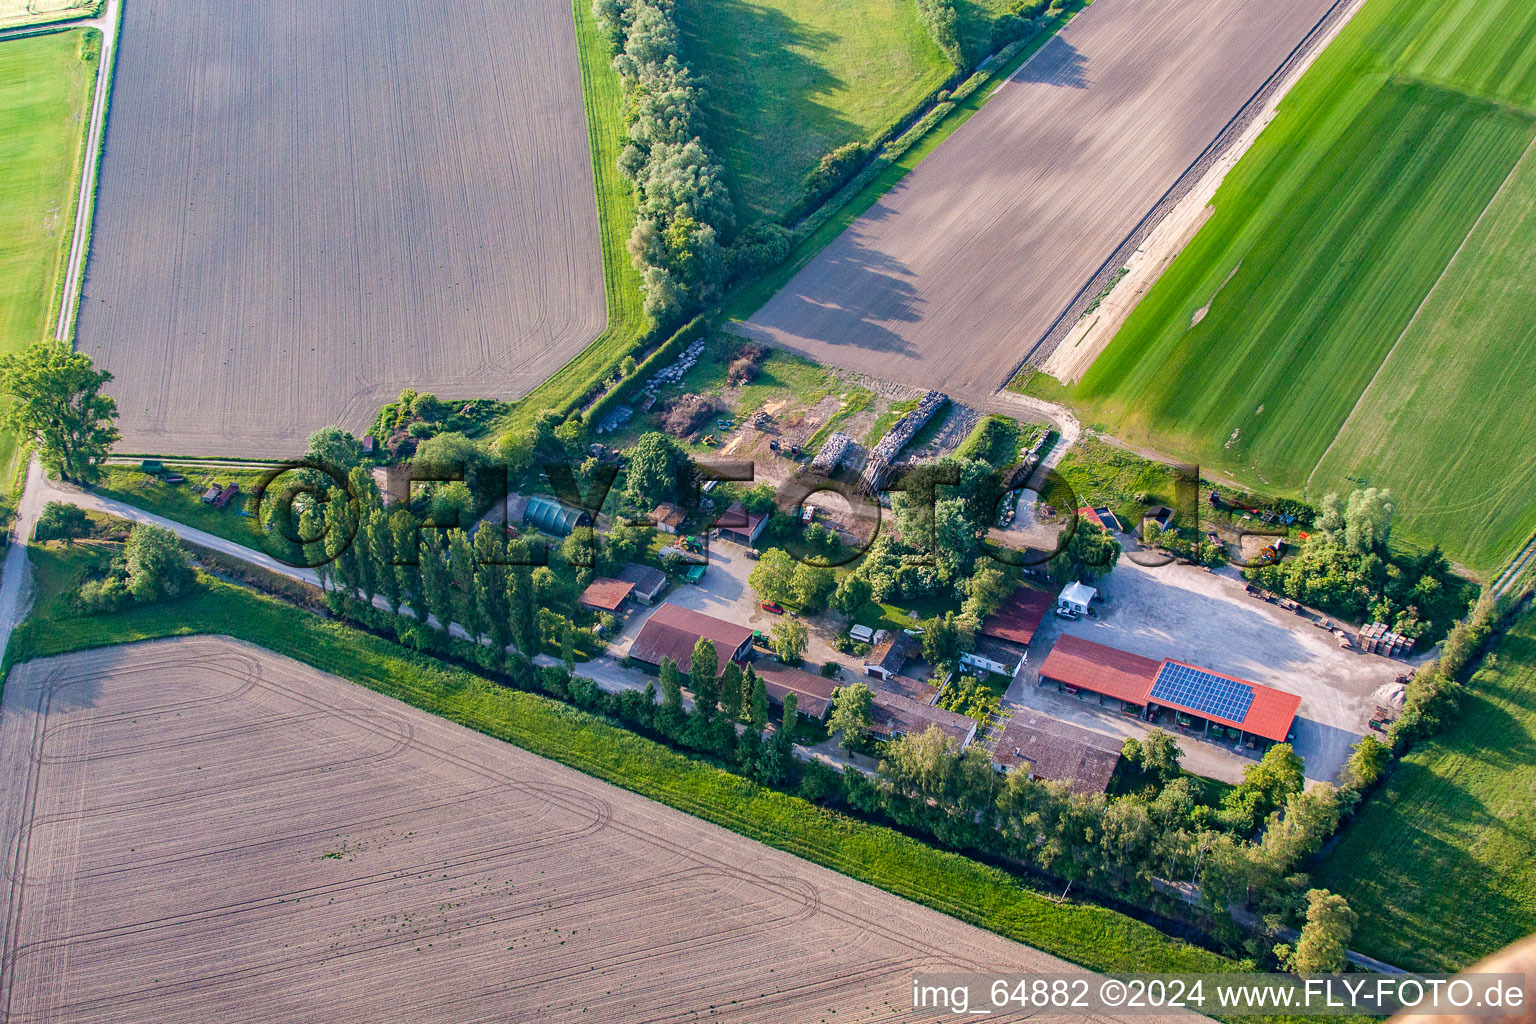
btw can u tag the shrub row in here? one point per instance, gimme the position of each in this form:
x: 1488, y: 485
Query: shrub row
x: 682, y: 205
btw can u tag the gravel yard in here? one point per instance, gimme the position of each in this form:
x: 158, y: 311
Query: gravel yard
x: 1206, y: 619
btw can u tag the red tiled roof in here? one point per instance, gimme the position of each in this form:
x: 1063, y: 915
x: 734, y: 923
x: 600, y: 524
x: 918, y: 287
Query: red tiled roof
x: 605, y: 593
x: 813, y: 693
x: 1019, y: 617
x: 673, y: 630
x: 1270, y: 715
x: 1106, y: 670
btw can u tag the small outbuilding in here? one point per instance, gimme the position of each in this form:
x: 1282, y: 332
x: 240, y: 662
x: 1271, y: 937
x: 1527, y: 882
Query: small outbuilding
x: 741, y: 526
x: 668, y: 517
x: 649, y: 582
x: 890, y: 655
x: 1074, y: 600
x: 605, y: 594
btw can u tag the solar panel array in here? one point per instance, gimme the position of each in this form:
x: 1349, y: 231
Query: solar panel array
x: 1202, y: 691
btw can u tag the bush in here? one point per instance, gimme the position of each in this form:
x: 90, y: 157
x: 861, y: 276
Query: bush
x: 156, y: 564
x: 105, y: 595
x: 939, y: 18
x: 60, y: 521
x: 833, y: 170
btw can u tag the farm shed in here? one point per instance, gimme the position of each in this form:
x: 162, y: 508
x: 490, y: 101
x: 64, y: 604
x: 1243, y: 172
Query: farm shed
x: 605, y: 594
x: 1217, y: 699
x: 1077, y: 665
x: 667, y: 517
x: 672, y: 631
x: 1056, y: 751
x: 1144, y: 686
x: 813, y: 693
x: 741, y: 526
x: 894, y: 714
x: 553, y: 517
x: 890, y: 655
x: 1075, y: 599
x: 649, y: 581
x: 1016, y: 621
x: 1102, y: 517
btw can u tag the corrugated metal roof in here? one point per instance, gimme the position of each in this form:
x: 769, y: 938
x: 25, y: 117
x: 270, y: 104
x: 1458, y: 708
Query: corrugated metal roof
x: 673, y: 631
x: 1106, y: 670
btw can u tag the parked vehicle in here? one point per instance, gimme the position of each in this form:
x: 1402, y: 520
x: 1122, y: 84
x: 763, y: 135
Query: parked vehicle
x: 773, y: 608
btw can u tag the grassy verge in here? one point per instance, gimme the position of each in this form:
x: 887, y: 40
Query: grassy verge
x: 1440, y: 863
x: 985, y: 896
x: 47, y: 84
x: 627, y: 322
x: 183, y: 502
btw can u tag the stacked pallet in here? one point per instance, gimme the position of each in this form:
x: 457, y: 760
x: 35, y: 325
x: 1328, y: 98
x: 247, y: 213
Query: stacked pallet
x: 1376, y: 638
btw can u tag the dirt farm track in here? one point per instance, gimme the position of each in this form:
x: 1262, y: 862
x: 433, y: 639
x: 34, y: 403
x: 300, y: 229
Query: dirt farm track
x: 957, y: 273
x: 304, y: 208
x: 197, y: 830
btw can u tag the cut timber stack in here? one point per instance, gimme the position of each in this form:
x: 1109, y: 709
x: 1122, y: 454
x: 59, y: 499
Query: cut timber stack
x: 1376, y: 638
x: 883, y: 454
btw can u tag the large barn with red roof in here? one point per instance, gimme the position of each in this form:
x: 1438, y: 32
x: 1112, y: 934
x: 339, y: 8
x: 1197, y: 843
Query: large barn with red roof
x: 1145, y: 685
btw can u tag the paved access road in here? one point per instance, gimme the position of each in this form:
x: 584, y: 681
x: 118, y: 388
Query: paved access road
x: 952, y: 277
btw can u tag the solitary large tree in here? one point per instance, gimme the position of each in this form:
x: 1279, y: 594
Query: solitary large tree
x: 58, y: 405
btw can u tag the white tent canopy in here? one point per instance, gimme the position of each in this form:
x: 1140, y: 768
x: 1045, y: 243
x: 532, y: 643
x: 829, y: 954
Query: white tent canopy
x: 1075, y: 598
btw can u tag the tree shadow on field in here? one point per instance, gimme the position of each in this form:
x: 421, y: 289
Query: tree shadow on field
x: 854, y: 291
x: 766, y: 99
x: 1058, y: 63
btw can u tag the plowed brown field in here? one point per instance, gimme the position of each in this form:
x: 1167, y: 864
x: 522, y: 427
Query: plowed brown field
x: 963, y: 268
x: 304, y: 208
x: 197, y: 830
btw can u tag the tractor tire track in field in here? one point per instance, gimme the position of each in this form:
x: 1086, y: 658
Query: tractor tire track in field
x: 470, y: 878
x: 1423, y: 303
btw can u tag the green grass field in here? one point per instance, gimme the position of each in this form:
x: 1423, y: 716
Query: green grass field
x: 956, y: 885
x: 1475, y: 336
x: 45, y: 97
x: 791, y: 80
x: 183, y: 502
x: 16, y: 13
x: 1440, y: 864
x: 1251, y: 352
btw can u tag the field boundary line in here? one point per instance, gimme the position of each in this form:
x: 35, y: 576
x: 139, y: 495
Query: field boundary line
x: 108, y: 22
x: 1455, y: 256
x: 1271, y: 92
